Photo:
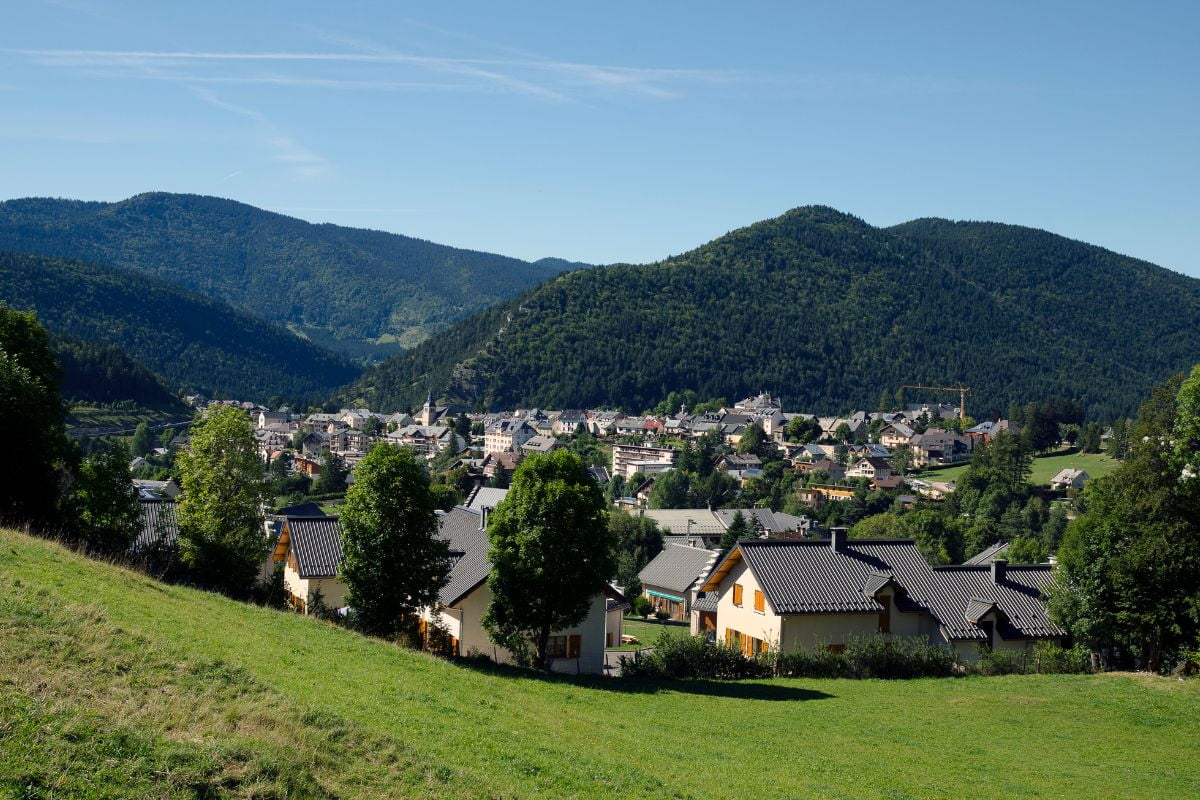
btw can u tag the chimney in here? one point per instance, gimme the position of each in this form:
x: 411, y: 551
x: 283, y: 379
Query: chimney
x: 999, y: 570
x: 483, y: 517
x: 837, y: 538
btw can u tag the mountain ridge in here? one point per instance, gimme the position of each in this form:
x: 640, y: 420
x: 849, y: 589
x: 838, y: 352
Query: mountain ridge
x: 829, y: 310
x: 355, y: 289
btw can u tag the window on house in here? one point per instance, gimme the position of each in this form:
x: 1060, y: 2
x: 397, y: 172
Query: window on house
x: 885, y: 616
x: 989, y: 628
x: 556, y: 647
x: 574, y: 645
x: 737, y: 594
x: 759, y: 602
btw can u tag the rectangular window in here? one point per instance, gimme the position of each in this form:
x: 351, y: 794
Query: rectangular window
x: 737, y: 594
x: 759, y: 602
x: 885, y: 616
x: 574, y: 645
x: 556, y: 647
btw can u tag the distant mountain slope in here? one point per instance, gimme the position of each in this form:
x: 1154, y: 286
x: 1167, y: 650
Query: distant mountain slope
x: 827, y: 311
x: 351, y: 288
x: 104, y: 373
x: 191, y: 341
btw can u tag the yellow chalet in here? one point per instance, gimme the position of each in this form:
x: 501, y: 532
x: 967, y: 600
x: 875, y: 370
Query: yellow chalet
x: 791, y: 595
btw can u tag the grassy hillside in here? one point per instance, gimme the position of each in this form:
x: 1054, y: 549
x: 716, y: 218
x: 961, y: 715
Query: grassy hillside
x: 191, y: 341
x: 825, y: 311
x: 350, y: 288
x: 114, y: 685
x: 1044, y: 468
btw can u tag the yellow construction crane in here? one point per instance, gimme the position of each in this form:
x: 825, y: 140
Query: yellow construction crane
x: 963, y: 391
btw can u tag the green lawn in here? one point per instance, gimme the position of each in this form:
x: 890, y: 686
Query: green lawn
x: 1044, y: 467
x: 114, y: 685
x: 648, y: 631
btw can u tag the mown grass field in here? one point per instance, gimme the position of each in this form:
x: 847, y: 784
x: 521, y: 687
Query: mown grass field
x: 648, y: 631
x: 1043, y: 469
x: 114, y: 685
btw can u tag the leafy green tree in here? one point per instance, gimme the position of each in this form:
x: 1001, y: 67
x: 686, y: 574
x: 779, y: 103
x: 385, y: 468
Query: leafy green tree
x: 738, y: 529
x: 802, y: 430
x: 842, y: 433
x: 754, y: 440
x: 109, y: 512
x: 628, y: 570
x: 143, y: 440
x: 221, y: 537
x: 1128, y: 563
x: 1026, y: 550
x: 671, y: 489
x: 501, y: 478
x: 332, y: 477
x: 552, y: 552
x: 901, y: 460
x: 939, y: 536
x: 32, y: 414
x: 394, y: 563
x: 885, y: 402
x: 636, y: 535
x: 877, y: 526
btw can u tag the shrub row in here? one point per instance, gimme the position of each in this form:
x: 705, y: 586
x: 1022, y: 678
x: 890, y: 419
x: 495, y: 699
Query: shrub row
x: 864, y: 657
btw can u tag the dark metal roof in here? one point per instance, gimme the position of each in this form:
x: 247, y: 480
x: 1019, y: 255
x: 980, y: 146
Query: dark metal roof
x: 316, y: 543
x: 469, y: 545
x: 812, y: 577
x: 160, y: 526
x: 307, y: 509
x: 1018, y: 595
x: 988, y: 554
x: 677, y: 567
x: 705, y: 601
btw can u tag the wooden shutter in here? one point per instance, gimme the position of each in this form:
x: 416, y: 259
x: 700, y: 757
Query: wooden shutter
x: 737, y: 594
x: 759, y: 603
x: 573, y: 646
x: 885, y: 616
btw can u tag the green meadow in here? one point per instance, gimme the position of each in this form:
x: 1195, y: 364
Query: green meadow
x: 115, y: 685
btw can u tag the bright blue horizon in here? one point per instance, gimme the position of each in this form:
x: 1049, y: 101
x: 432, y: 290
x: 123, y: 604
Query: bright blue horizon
x: 622, y: 132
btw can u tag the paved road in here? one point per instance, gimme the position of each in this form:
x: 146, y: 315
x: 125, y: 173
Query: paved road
x: 81, y: 432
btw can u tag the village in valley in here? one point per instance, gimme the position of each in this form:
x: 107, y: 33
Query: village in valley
x: 738, y: 569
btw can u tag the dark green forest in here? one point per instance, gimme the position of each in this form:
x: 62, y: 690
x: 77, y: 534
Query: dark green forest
x: 825, y: 311
x: 194, y: 343
x: 105, y: 374
x: 347, y: 287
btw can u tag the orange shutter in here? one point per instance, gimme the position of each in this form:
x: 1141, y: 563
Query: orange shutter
x: 759, y: 604
x: 737, y: 594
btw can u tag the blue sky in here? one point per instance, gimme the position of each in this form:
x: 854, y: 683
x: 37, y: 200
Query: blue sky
x: 618, y: 131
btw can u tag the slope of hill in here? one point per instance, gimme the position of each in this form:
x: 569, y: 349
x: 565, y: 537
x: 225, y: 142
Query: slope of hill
x: 351, y: 288
x: 825, y: 311
x: 191, y: 341
x: 114, y: 685
x: 106, y: 374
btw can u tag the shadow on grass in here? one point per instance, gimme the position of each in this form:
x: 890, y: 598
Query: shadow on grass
x: 734, y: 689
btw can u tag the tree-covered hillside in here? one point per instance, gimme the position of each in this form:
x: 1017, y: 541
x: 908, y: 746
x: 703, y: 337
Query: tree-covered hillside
x: 351, y: 288
x: 824, y: 310
x: 192, y: 342
x: 104, y: 373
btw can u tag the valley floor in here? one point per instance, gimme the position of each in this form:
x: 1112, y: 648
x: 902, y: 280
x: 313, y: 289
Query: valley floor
x: 114, y: 685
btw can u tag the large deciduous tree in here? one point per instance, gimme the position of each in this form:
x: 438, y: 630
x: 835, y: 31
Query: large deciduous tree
x: 394, y: 562
x: 32, y: 415
x: 552, y: 553
x: 1128, y: 565
x: 107, y: 500
x: 221, y: 536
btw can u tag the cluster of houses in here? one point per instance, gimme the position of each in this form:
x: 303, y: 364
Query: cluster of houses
x: 784, y: 595
x: 784, y: 587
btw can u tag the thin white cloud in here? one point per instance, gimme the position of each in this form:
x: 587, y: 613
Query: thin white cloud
x: 302, y: 161
x: 497, y: 72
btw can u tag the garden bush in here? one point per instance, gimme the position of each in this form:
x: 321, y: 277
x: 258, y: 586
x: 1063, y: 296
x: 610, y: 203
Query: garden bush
x: 694, y: 657
x: 1049, y: 657
x: 1000, y: 662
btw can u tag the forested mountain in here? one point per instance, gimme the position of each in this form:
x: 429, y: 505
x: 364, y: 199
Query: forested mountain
x: 193, y: 342
x: 825, y: 311
x: 104, y: 373
x: 350, y: 289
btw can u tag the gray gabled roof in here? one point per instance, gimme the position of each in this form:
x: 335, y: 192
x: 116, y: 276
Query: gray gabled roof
x: 812, y: 577
x: 160, y: 526
x: 316, y: 543
x: 486, y: 497
x: 988, y: 555
x: 469, y: 545
x: 677, y: 567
